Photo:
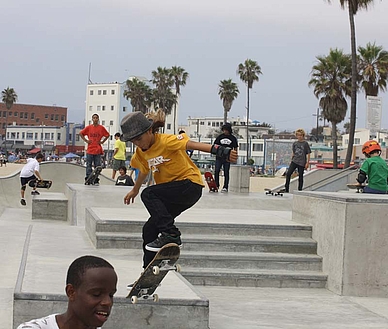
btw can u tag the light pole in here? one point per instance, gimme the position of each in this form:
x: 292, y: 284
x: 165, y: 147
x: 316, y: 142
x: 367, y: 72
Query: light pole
x: 316, y: 133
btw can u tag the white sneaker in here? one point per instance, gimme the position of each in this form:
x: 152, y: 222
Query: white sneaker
x: 224, y: 190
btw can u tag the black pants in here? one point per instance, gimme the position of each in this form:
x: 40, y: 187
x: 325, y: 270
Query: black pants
x: 222, y: 163
x: 164, y: 203
x: 290, y: 170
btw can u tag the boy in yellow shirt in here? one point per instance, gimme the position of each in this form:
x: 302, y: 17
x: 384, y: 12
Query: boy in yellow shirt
x: 118, y: 155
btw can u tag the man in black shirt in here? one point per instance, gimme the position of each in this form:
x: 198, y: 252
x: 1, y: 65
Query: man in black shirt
x: 226, y: 139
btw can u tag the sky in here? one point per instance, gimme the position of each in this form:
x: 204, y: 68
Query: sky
x: 47, y: 45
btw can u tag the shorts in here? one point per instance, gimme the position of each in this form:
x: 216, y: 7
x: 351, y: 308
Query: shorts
x: 24, y: 180
x: 118, y: 163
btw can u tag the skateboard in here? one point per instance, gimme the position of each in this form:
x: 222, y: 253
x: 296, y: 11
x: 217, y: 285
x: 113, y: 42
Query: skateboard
x: 211, y: 183
x: 275, y: 191
x: 358, y: 187
x: 91, y: 180
x: 40, y: 183
x: 163, y: 262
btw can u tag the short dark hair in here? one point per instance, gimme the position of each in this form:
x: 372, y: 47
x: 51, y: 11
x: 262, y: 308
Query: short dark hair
x: 95, y: 114
x: 39, y: 156
x: 78, y: 268
x: 117, y: 134
x: 123, y: 168
x: 182, y: 131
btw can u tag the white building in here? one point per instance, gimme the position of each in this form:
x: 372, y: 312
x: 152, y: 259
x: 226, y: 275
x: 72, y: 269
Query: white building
x: 362, y: 135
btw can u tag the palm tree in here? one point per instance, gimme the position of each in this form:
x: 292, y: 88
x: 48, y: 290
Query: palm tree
x: 228, y: 91
x: 139, y: 93
x: 248, y: 72
x: 8, y: 97
x: 353, y: 7
x: 373, y: 68
x: 163, y: 97
x: 331, y: 79
x: 180, y: 77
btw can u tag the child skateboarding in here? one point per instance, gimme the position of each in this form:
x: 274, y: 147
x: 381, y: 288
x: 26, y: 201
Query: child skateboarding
x: 374, y: 169
x: 178, y: 181
x: 300, y: 159
x: 30, y: 172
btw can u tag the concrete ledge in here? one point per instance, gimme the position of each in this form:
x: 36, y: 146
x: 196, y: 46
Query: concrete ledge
x: 52, y: 206
x: 239, y: 179
x: 351, y: 231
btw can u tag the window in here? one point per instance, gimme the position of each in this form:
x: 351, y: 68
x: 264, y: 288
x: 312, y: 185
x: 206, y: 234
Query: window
x: 103, y: 107
x: 213, y: 124
x: 15, y: 114
x: 32, y: 115
x: 356, y: 141
x: 99, y: 92
x: 77, y: 138
x: 58, y: 136
x: 17, y: 135
x: 258, y: 147
x: 70, y: 137
x: 103, y: 122
x: 208, y: 123
x: 112, y: 107
x: 111, y: 122
x: 91, y: 93
x: 168, y: 125
x: 98, y: 107
x: 13, y: 135
x: 52, y: 117
x: 47, y: 136
x: 104, y: 92
x: 124, y: 108
x: 37, y: 120
x: 217, y: 124
x: 90, y: 108
x: 52, y: 136
x: 62, y: 118
x: 243, y: 147
x: 36, y: 136
x: 26, y: 115
x: 4, y: 114
x: 112, y: 92
x: 56, y: 117
x: 46, y: 116
x: 23, y: 135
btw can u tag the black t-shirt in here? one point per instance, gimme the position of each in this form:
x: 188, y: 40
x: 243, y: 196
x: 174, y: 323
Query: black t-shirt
x: 226, y: 141
x: 125, y: 180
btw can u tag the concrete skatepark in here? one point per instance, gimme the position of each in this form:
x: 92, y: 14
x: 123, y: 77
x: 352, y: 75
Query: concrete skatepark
x: 36, y: 253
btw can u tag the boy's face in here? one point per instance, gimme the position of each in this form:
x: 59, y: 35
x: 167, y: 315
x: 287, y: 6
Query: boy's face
x: 95, y: 119
x: 92, y: 301
x: 300, y: 137
x: 122, y: 172
x: 144, y: 141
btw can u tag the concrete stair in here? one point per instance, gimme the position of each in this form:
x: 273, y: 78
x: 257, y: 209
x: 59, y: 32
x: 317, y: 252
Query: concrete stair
x: 250, y: 255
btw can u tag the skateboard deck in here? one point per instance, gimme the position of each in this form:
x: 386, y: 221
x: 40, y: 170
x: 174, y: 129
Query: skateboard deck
x: 40, y: 183
x: 211, y: 183
x: 91, y: 180
x: 358, y: 187
x: 163, y: 262
x: 275, y: 191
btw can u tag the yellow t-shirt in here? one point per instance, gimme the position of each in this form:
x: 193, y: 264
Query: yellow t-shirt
x: 168, y: 160
x: 120, y: 155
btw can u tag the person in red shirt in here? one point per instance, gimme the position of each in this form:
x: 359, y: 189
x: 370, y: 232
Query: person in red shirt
x: 94, y: 135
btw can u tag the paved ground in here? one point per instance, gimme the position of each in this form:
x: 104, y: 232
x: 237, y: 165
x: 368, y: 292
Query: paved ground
x: 230, y: 308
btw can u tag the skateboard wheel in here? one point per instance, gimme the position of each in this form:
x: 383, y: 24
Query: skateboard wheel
x: 156, y: 270
x: 178, y: 268
x: 134, y: 299
x: 155, y: 298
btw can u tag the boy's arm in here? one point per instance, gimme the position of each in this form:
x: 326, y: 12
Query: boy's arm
x: 87, y: 141
x: 221, y: 151
x: 37, y: 174
x: 308, y: 161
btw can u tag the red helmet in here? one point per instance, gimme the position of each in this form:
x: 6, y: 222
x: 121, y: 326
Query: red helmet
x: 370, y: 146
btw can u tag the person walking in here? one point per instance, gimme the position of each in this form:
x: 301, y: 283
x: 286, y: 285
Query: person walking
x: 226, y: 139
x: 94, y: 135
x: 300, y: 159
x: 118, y: 155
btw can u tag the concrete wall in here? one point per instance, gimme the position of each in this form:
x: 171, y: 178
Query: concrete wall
x: 351, y: 231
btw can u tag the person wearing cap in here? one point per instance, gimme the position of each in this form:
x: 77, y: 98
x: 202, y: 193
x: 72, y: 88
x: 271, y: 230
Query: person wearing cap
x: 94, y: 135
x: 178, y: 181
x: 226, y: 139
x: 118, y: 155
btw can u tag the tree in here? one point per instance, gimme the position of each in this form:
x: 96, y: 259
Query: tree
x: 373, y: 69
x: 248, y: 72
x: 163, y: 97
x: 180, y: 77
x: 331, y: 79
x: 139, y: 93
x: 353, y: 6
x: 8, y: 97
x: 228, y: 92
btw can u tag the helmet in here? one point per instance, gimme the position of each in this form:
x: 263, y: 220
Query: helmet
x: 370, y: 146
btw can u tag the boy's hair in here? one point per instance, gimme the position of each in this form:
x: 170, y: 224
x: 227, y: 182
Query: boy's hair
x: 95, y: 114
x: 123, y: 168
x: 78, y: 268
x: 117, y: 134
x: 39, y: 156
x: 181, y: 132
x: 300, y: 131
x: 158, y: 118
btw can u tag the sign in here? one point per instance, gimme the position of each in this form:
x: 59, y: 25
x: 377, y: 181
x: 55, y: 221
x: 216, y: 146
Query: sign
x: 373, y: 114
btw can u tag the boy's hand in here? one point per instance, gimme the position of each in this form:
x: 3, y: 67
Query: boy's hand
x: 233, y: 156
x: 130, y: 197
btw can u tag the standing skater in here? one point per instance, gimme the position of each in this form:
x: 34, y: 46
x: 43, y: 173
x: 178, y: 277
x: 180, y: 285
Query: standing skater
x: 29, y: 172
x: 300, y: 159
x: 96, y: 136
x: 178, y: 181
x: 226, y: 139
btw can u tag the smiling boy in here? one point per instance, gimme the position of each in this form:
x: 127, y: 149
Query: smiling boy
x: 90, y: 285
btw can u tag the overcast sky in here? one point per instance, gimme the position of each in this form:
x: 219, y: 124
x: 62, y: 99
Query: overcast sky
x: 47, y: 45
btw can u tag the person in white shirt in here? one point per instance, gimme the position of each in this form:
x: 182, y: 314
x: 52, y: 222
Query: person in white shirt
x: 90, y: 285
x: 29, y: 172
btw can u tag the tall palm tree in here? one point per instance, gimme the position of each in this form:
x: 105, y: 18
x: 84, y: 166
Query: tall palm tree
x: 248, y: 72
x: 8, y: 97
x: 180, y: 77
x: 331, y: 79
x: 228, y: 91
x: 139, y: 93
x: 373, y: 68
x: 163, y: 97
x: 353, y: 7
